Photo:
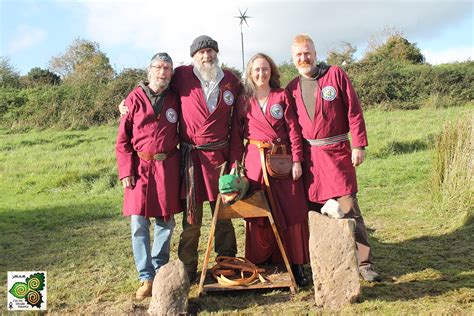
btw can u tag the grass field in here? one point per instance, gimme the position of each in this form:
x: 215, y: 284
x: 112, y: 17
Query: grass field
x: 60, y: 211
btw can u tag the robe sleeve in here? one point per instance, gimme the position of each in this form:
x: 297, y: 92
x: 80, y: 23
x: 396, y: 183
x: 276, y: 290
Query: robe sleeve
x: 236, y: 150
x: 123, y: 146
x: 354, y: 112
x: 293, y: 129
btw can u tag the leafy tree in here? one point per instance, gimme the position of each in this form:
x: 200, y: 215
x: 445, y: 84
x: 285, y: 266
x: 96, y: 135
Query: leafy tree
x: 342, y: 56
x: 83, y: 63
x: 236, y: 71
x: 105, y: 107
x: 287, y: 73
x: 9, y: 76
x: 395, y: 49
x: 40, y: 77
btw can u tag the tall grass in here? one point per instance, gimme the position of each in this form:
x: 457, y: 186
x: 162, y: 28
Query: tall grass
x: 452, y: 179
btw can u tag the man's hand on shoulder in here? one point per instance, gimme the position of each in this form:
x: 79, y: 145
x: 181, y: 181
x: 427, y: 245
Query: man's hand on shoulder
x: 358, y: 156
x: 123, y: 108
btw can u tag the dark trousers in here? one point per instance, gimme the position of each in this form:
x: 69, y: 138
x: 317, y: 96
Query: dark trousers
x: 350, y: 207
x: 224, y: 241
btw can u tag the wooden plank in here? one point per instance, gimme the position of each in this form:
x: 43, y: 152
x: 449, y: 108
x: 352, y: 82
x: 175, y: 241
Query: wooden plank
x: 253, y: 206
x: 276, y: 280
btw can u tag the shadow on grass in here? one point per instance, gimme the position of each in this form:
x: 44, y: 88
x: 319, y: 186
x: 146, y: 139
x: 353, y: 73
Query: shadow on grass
x: 402, y: 147
x: 40, y: 238
x: 231, y: 301
x: 425, y: 266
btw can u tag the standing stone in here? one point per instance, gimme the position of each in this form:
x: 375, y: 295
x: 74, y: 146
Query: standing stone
x: 333, y: 255
x: 170, y: 290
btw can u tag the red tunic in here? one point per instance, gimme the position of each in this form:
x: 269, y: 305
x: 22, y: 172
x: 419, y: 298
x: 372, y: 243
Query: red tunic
x: 328, y: 171
x: 199, y: 127
x: 156, y: 193
x: 279, y: 126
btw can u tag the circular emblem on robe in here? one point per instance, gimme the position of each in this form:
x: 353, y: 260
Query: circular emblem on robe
x: 171, y: 116
x: 328, y: 93
x: 276, y: 110
x: 228, y: 97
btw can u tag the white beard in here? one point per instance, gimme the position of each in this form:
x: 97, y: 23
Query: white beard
x: 208, y: 71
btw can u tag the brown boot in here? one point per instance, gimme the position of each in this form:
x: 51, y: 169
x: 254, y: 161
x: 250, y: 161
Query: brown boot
x: 144, y: 290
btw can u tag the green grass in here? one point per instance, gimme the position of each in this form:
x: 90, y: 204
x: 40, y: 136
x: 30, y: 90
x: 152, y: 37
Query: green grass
x: 60, y: 211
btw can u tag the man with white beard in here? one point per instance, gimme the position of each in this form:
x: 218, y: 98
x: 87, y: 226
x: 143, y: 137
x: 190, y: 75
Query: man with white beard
x: 207, y: 94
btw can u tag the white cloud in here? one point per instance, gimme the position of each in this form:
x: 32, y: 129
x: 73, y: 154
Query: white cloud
x: 448, y: 55
x: 27, y: 37
x: 171, y: 26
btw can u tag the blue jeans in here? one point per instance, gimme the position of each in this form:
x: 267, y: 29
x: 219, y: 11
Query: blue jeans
x: 147, y: 260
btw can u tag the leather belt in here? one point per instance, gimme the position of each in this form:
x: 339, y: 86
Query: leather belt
x: 187, y: 169
x: 149, y: 156
x: 328, y: 141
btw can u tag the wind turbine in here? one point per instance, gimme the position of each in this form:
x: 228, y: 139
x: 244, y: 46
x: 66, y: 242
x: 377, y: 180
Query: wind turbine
x: 243, y: 18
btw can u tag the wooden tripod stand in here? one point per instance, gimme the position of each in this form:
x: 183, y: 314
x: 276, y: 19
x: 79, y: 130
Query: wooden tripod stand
x: 255, y: 205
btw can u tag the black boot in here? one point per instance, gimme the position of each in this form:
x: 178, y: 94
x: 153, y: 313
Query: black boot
x: 298, y: 273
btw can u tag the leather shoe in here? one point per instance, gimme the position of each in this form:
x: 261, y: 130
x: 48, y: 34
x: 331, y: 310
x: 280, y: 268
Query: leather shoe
x: 298, y: 273
x: 369, y: 274
x: 144, y: 290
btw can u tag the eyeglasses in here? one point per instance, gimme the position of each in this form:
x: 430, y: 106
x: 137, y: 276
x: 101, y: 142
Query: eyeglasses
x: 164, y: 68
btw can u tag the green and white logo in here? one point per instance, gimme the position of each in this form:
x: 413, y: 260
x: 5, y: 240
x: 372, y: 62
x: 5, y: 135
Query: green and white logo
x: 26, y: 290
x: 328, y: 93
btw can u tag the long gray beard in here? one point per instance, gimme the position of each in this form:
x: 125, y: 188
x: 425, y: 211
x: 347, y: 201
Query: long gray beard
x: 208, y: 72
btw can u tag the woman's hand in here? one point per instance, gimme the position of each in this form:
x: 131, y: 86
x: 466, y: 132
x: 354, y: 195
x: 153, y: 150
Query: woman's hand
x: 128, y: 182
x: 296, y: 170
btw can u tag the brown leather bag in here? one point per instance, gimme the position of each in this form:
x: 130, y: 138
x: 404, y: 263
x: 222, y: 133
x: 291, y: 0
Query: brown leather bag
x: 279, y: 164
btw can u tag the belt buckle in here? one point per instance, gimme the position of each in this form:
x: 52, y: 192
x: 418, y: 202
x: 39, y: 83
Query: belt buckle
x: 159, y: 156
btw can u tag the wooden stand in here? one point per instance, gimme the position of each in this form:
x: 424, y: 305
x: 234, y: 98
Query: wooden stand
x: 255, y: 205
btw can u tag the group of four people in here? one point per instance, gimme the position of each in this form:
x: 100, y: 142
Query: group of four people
x: 209, y: 113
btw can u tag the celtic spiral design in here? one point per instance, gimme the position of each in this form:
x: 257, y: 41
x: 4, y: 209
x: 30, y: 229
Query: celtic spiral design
x: 33, y: 297
x: 34, y: 283
x: 19, y: 289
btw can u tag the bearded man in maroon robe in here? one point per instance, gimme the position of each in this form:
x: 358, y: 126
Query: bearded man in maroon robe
x: 328, y: 109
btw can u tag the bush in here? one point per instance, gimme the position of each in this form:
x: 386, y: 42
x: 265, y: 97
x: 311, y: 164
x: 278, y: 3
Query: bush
x: 105, y: 105
x: 287, y: 72
x: 391, y: 85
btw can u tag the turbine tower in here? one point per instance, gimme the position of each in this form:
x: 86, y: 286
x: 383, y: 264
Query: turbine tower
x: 243, y: 18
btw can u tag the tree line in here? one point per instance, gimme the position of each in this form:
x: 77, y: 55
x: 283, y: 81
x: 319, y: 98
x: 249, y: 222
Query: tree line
x: 80, y: 88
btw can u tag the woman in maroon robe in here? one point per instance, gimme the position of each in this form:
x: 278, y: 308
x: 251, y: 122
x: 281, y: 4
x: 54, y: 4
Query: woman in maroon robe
x: 265, y: 115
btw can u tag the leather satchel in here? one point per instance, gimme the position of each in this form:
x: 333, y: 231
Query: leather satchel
x: 279, y: 165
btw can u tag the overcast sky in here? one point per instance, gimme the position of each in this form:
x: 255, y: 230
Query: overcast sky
x: 130, y: 32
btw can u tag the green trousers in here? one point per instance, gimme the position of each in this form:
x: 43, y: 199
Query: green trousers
x: 224, y: 241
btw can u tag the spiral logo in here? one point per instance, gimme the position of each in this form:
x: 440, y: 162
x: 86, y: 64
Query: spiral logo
x: 27, y: 287
x: 19, y: 290
x: 33, y: 298
x: 34, y: 283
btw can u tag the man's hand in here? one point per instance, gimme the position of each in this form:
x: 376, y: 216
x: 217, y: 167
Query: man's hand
x: 296, y: 170
x: 123, y: 108
x: 358, y: 156
x: 128, y: 182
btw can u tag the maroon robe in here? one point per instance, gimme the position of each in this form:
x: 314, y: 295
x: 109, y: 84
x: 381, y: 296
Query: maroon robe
x: 279, y: 126
x: 199, y: 127
x: 328, y: 171
x: 156, y: 193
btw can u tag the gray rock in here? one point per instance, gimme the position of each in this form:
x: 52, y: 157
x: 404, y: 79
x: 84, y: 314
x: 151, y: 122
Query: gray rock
x: 333, y: 257
x: 170, y: 290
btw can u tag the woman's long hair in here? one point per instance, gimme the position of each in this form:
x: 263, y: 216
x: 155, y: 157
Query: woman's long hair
x: 249, y: 85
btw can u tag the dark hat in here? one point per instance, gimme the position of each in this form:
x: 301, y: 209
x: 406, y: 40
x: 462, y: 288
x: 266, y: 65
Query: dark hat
x: 201, y: 42
x: 163, y: 57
